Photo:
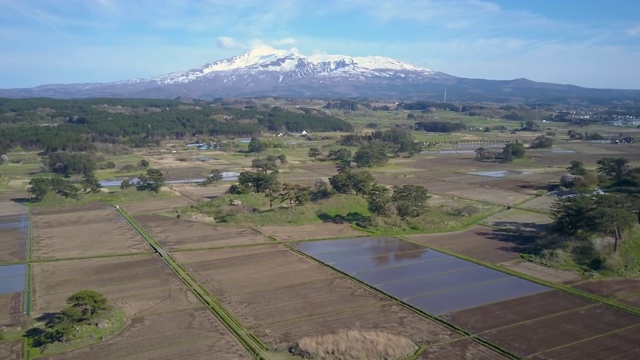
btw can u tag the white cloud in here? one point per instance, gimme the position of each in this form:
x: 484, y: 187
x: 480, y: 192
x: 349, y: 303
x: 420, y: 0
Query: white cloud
x: 635, y: 31
x: 226, y: 42
x: 285, y: 41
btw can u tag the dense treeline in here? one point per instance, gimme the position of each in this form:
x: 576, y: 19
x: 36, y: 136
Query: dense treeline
x: 423, y: 105
x: 72, y: 125
x: 439, y: 126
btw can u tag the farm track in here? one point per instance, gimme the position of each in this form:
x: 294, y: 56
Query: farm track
x: 248, y: 340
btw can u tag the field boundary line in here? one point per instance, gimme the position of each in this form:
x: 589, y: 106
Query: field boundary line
x: 446, y: 324
x: 587, y: 339
x: 561, y: 287
x: 249, y: 341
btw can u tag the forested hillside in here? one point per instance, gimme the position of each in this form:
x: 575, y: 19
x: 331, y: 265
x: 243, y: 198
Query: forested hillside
x: 52, y: 125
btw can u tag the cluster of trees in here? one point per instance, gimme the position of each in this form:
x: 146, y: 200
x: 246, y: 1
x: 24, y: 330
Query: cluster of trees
x: 439, y: 126
x: 610, y: 213
x: 405, y: 201
x: 510, y: 152
x: 83, y: 307
x: 396, y: 140
x: 574, y: 135
x: 541, y: 142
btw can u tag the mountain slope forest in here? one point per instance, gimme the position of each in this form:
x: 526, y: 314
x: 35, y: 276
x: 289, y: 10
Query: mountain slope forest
x: 45, y: 124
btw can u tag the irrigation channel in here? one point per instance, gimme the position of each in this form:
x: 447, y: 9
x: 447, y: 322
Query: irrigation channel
x: 254, y: 345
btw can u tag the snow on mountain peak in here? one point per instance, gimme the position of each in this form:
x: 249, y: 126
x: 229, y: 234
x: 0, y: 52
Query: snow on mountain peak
x: 292, y: 64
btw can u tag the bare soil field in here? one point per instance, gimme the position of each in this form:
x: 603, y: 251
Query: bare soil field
x: 12, y: 244
x: 186, y: 334
x: 551, y: 332
x: 505, y: 313
x: 543, y: 272
x: 542, y: 203
x: 184, y: 234
x: 11, y: 350
x: 304, y: 232
x: 478, y: 242
x: 8, y: 207
x: 517, y: 219
x: 621, y: 345
x: 140, y: 284
x: 10, y: 309
x: 473, y: 192
x: 624, y: 290
x: 156, y: 205
x: 284, y: 297
x: 461, y: 349
x: 167, y: 320
x: 83, y: 231
x: 199, y: 193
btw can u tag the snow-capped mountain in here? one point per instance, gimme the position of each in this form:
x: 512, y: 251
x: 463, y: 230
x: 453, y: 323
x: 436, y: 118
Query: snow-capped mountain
x: 264, y: 71
x: 291, y: 65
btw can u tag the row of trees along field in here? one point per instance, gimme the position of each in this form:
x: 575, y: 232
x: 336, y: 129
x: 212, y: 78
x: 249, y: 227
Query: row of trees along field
x: 599, y: 204
x: 73, y: 125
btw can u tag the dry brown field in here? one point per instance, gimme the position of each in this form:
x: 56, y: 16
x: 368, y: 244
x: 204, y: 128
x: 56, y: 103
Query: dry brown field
x: 199, y: 193
x: 11, y: 350
x: 12, y: 245
x: 548, y: 333
x: 517, y: 219
x: 467, y: 191
x: 304, y: 232
x: 624, y: 290
x: 186, y: 334
x: 548, y: 324
x: 543, y: 272
x: 478, y: 242
x: 166, y: 318
x: 10, y: 309
x: 92, y: 230
x: 620, y: 345
x: 184, y: 234
x: 461, y: 349
x: 284, y: 297
x: 156, y: 205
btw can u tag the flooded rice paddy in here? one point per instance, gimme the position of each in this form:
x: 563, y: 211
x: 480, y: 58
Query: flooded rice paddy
x: 427, y: 279
x: 12, y: 278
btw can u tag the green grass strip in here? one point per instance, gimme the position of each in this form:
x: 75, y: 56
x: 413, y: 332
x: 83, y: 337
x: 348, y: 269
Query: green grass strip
x: 254, y: 345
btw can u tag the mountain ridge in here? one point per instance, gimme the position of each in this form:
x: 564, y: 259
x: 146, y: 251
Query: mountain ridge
x: 265, y: 71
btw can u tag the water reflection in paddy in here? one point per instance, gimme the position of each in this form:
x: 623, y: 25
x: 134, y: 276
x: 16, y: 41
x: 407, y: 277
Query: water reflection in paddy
x: 432, y: 281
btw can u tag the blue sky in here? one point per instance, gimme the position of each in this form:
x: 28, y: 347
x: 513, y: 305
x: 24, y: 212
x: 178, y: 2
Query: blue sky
x: 593, y: 43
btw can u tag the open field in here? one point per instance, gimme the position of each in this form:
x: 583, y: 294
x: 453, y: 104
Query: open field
x: 184, y: 234
x: 461, y: 349
x: 542, y: 203
x: 88, y: 230
x: 543, y: 272
x: 12, y: 244
x: 11, y: 350
x: 478, y: 242
x: 624, y: 290
x: 305, y: 232
x: 10, y: 309
x: 185, y: 334
x: 166, y: 318
x: 548, y: 321
x: 199, y: 192
x: 156, y: 205
x: 283, y: 297
x: 517, y: 219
